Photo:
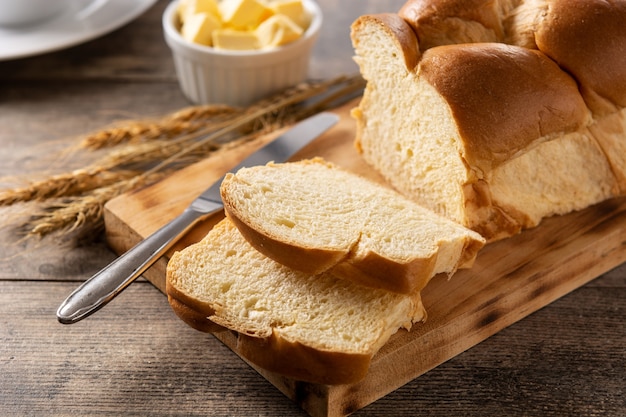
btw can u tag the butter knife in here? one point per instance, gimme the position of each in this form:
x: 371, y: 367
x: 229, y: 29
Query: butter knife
x: 101, y: 288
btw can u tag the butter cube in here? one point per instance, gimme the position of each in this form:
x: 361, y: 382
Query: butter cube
x: 277, y: 30
x: 191, y: 7
x: 180, y: 10
x: 235, y: 39
x: 244, y: 14
x: 199, y: 28
x: 293, y: 9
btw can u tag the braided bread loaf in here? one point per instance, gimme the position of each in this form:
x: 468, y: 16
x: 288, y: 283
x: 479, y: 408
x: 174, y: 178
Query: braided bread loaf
x: 496, y: 114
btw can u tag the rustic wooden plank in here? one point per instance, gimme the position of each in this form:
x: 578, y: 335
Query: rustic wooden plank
x: 135, y: 358
x: 517, y: 371
x: 510, y: 280
x: 37, y: 127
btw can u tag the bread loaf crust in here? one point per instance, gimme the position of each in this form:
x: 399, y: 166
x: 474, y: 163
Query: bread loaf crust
x: 301, y: 362
x: 485, y: 217
x: 194, y: 317
x: 479, y: 81
x: 587, y: 38
x: 443, y: 22
x: 312, y: 260
x: 399, y: 29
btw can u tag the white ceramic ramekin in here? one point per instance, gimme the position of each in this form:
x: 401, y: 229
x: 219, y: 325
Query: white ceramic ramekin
x: 238, y: 78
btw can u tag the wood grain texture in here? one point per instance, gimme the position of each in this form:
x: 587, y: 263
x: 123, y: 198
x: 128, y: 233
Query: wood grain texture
x: 135, y: 358
x: 144, y: 364
x: 510, y: 279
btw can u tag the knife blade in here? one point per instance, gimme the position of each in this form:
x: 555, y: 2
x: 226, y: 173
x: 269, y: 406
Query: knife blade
x: 105, y: 285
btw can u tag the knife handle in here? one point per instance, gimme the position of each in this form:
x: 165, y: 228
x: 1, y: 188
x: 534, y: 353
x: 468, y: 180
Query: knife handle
x: 114, y: 278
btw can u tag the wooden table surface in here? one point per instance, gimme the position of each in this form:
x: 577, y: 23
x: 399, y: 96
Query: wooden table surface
x: 134, y: 357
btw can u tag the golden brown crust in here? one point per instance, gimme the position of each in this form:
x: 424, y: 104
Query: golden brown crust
x: 274, y: 353
x: 191, y: 311
x: 195, y: 319
x: 469, y: 253
x: 271, y: 349
x: 400, y: 31
x: 376, y: 271
x: 485, y: 84
x: 424, y: 12
x: 490, y: 221
x: 310, y: 260
x: 440, y: 22
x: 303, y: 363
x: 587, y: 38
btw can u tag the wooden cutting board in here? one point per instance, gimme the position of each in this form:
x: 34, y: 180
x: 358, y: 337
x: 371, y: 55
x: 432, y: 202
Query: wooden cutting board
x: 510, y: 279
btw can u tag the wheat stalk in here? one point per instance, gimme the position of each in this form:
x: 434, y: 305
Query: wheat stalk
x: 84, y: 212
x: 144, y: 151
x: 73, y: 183
x: 187, y: 120
x: 87, y: 210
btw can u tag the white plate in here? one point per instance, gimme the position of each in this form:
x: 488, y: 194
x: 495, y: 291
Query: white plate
x: 87, y: 20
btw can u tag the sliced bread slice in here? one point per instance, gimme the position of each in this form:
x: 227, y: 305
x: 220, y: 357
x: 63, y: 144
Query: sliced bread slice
x: 311, y: 328
x: 315, y: 217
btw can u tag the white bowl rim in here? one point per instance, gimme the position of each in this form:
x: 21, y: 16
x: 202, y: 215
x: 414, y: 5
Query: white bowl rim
x: 174, y: 35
